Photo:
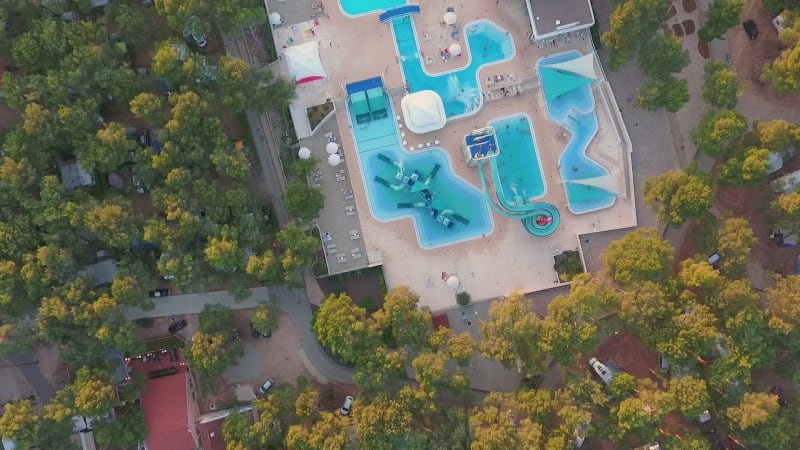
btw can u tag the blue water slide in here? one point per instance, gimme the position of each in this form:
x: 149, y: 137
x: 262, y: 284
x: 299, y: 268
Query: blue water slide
x: 403, y: 11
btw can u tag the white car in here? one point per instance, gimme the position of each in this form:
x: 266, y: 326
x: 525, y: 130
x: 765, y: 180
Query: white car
x: 266, y: 386
x: 602, y: 371
x: 347, y: 405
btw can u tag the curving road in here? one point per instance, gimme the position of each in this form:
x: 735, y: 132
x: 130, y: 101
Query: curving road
x: 293, y: 301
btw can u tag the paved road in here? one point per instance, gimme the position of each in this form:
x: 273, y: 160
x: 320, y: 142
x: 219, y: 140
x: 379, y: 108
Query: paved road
x: 27, y: 364
x: 293, y: 302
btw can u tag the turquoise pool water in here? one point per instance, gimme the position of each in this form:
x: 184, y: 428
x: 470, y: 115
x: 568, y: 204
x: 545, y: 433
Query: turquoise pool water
x: 459, y: 89
x: 361, y: 7
x: 574, y: 111
x: 519, y: 170
x: 461, y: 209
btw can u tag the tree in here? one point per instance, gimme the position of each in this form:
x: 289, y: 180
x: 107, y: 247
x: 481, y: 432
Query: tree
x: 106, y: 150
x: 303, y: 201
x: 342, y: 327
x: 267, y: 430
x: 431, y: 370
x: 401, y: 320
x: 265, y: 267
x: 669, y: 93
x: 777, y: 135
x: 383, y: 424
x: 622, y: 385
x: 691, y: 395
x: 27, y: 427
x: 307, y: 402
x: 721, y: 88
x: 662, y: 56
x: 112, y: 221
x: 633, y: 22
x: 735, y: 241
x: 748, y: 168
x: 239, y: 84
x: 646, y: 308
x: 224, y: 254
x: 678, y: 196
x: 149, y: 107
x: 690, y: 334
x: 755, y: 409
x: 640, y: 255
x: 492, y: 428
x: 300, y: 249
x: 236, y: 428
x: 719, y: 132
x: 461, y: 347
x: 783, y: 305
x: 699, y: 275
x: 632, y: 418
x: 216, y: 318
x: 265, y: 317
x: 511, y: 335
x: 232, y: 14
x: 328, y: 433
x: 41, y: 45
x: 92, y: 393
x: 720, y: 17
x: 125, y: 431
x: 210, y: 354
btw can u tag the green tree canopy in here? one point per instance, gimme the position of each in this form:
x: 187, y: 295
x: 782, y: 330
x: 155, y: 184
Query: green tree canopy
x: 633, y: 22
x: 662, y: 56
x: 303, y: 201
x: 342, y: 326
x: 720, y: 17
x: 678, y: 196
x: 735, y: 240
x: 640, y: 255
x: 669, y: 93
x: 511, y: 335
x: 720, y: 132
x: 401, y: 320
x: 721, y: 88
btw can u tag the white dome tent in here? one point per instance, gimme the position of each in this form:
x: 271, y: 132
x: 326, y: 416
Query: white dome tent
x: 450, y: 17
x: 334, y: 160
x: 423, y: 112
x: 331, y: 148
x: 304, y: 153
x: 455, y: 49
x: 453, y: 282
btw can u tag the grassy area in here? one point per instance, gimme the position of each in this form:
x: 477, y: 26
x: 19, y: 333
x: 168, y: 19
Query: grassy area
x: 568, y: 265
x: 165, y: 342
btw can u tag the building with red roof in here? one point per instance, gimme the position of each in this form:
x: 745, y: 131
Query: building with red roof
x: 168, y: 401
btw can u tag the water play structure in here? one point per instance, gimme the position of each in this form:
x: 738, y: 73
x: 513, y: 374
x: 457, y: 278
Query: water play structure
x: 419, y: 187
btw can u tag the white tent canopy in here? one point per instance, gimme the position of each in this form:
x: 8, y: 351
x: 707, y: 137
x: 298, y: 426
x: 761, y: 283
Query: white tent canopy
x: 583, y: 66
x: 612, y: 182
x: 334, y: 160
x: 304, y: 153
x: 450, y: 17
x: 455, y: 49
x: 303, y: 63
x: 423, y: 111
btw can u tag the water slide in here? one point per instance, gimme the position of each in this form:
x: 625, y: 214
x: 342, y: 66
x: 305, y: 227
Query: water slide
x: 539, y: 219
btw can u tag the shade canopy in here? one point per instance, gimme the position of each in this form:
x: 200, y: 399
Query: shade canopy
x: 450, y: 17
x: 304, y: 153
x: 332, y: 147
x: 275, y: 19
x: 453, y: 282
x: 303, y: 63
x: 334, y: 160
x: 455, y: 49
x: 562, y: 77
x: 423, y: 111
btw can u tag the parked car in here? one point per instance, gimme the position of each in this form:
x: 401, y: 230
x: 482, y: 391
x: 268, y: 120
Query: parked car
x: 266, y: 214
x: 160, y: 293
x: 601, y: 370
x: 750, y: 28
x: 138, y: 185
x: 714, y: 260
x: 255, y: 333
x: 266, y: 386
x: 663, y: 363
x: 178, y: 326
x: 347, y: 405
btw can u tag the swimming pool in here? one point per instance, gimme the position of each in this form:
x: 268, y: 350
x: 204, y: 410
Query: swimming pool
x: 574, y: 111
x: 361, y: 7
x: 487, y: 43
x: 445, y: 208
x: 518, y: 168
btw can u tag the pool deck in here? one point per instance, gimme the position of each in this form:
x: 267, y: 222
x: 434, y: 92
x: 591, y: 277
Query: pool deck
x: 509, y: 258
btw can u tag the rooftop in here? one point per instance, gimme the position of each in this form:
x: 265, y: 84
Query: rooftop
x: 552, y: 17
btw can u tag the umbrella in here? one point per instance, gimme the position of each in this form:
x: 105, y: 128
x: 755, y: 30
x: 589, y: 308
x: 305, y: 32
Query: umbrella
x: 304, y: 153
x: 334, y: 160
x: 450, y: 17
x: 332, y: 147
x: 275, y: 19
x: 455, y: 49
x: 453, y: 282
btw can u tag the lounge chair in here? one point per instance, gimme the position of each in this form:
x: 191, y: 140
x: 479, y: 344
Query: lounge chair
x: 361, y: 107
x: 377, y: 103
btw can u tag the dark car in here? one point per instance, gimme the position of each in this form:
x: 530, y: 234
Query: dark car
x: 160, y: 293
x: 255, y: 333
x: 750, y: 28
x: 178, y: 326
x: 266, y: 214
